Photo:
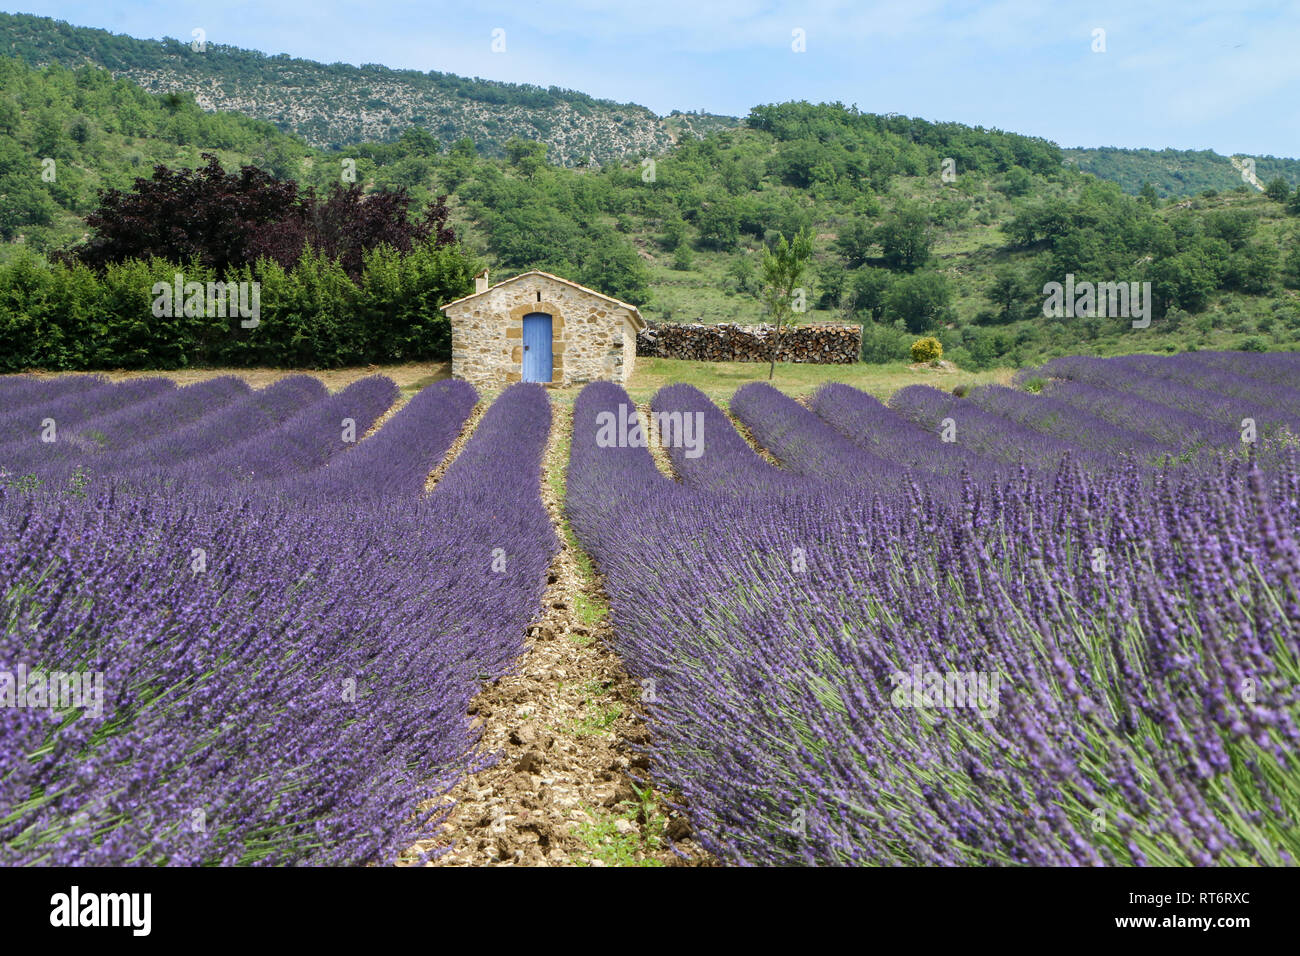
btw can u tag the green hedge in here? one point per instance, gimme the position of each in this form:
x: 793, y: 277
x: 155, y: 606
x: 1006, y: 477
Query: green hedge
x: 67, y: 317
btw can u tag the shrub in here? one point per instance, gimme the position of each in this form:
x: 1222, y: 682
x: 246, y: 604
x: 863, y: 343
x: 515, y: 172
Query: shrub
x: 883, y: 343
x: 227, y: 220
x: 960, y: 357
x: 927, y: 349
x: 67, y: 317
x: 1255, y: 344
x: 922, y: 301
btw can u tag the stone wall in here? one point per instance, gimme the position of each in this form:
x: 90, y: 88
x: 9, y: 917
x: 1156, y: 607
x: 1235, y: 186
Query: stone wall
x: 728, y: 342
x: 591, y: 337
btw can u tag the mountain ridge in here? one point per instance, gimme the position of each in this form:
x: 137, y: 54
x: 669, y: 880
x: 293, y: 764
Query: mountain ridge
x: 337, y: 105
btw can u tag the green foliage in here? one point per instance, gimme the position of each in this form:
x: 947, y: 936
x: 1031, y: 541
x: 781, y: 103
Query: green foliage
x: 525, y: 155
x: 65, y: 317
x: 927, y: 349
x: 674, y: 235
x: 855, y: 242
x: 1040, y: 221
x: 1017, y: 182
x: 868, y: 289
x: 719, y: 225
x: 614, y: 267
x: 1291, y: 267
x: 1233, y: 226
x: 921, y: 301
x: 1278, y: 189
x: 782, y: 273
x: 831, y: 285
x: 897, y: 144
x: 882, y: 343
x: 1251, y: 269
x: 1063, y: 224
x: 866, y: 183
x: 742, y: 274
x: 1174, y: 172
x: 1185, y: 280
x: 1011, y: 292
x: 101, y: 133
x: 905, y: 238
x: 323, y: 103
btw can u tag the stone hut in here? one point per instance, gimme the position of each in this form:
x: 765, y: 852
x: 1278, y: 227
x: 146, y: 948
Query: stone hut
x: 537, y: 327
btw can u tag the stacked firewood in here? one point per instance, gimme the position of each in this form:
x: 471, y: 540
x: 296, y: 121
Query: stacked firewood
x: 729, y: 342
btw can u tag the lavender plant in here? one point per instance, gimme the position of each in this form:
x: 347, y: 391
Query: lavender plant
x: 876, y: 427
x: 724, y: 462
x: 396, y: 461
x: 807, y: 445
x: 1127, y: 636
x: 217, y: 431
x: 1164, y: 424
x: 67, y: 408
x: 960, y: 422
x: 285, y: 677
x: 18, y: 391
x: 98, y: 437
x: 1050, y: 416
x: 1224, y: 401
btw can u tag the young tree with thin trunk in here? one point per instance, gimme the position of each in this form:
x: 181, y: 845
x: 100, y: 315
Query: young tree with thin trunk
x: 783, y: 270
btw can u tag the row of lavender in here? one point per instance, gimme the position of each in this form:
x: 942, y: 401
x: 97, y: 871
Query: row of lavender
x: 1050, y: 640
x: 287, y: 631
x: 1212, y: 393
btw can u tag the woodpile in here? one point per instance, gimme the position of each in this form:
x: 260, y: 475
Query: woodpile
x: 729, y: 342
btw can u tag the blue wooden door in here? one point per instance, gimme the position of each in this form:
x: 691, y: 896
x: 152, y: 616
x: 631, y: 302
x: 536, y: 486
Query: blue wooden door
x: 537, y: 347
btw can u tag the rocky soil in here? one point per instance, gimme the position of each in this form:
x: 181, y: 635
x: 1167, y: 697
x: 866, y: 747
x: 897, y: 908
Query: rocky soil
x: 471, y: 423
x: 571, y: 782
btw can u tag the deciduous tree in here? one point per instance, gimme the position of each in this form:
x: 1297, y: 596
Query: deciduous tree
x: 783, y: 270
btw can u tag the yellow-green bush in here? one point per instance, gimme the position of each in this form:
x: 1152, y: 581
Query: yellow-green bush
x: 927, y: 349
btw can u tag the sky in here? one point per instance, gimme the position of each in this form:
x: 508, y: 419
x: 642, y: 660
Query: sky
x: 1187, y: 74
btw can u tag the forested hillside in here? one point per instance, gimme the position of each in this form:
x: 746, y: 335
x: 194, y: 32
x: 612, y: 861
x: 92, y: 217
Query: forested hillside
x: 1180, y: 172
x: 916, y: 227
x: 100, y: 132
x: 335, y: 105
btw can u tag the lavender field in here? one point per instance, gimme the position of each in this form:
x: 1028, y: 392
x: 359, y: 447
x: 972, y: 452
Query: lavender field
x: 1069, y: 634
x: 1050, y: 624
x: 289, y: 631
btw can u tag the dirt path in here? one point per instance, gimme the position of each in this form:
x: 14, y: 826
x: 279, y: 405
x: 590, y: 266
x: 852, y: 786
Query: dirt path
x: 466, y: 430
x: 746, y: 434
x: 398, y: 404
x: 663, y: 461
x: 570, y: 785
